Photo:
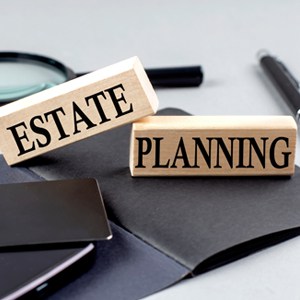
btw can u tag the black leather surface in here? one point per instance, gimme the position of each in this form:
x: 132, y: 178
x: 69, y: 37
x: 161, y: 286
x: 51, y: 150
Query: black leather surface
x: 189, y: 219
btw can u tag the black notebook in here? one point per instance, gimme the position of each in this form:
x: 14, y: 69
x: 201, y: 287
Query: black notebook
x: 199, y: 223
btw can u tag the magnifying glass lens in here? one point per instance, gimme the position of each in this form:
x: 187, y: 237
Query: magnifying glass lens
x: 24, y: 74
x: 19, y: 79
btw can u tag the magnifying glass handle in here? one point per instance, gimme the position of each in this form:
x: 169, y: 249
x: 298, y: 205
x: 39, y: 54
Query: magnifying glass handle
x: 176, y: 77
x: 173, y: 77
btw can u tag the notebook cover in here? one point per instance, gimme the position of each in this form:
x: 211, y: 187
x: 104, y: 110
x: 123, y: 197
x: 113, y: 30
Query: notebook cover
x: 125, y: 267
x: 201, y: 222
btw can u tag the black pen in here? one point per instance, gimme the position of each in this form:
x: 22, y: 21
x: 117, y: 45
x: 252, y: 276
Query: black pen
x: 283, y: 80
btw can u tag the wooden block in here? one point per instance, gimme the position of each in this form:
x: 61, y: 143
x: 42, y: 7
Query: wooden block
x: 219, y: 145
x: 80, y: 108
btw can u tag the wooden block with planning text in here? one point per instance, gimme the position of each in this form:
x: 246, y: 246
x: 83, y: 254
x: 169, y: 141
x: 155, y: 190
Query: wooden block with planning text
x: 218, y: 145
x: 80, y: 108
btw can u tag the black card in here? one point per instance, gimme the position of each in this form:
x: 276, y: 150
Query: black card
x: 64, y: 211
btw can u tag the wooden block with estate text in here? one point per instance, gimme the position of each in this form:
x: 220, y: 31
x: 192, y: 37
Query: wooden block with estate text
x: 80, y: 108
x: 218, y: 145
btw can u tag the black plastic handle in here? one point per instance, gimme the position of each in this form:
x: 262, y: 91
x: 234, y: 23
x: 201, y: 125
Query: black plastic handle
x: 173, y: 77
x: 176, y: 77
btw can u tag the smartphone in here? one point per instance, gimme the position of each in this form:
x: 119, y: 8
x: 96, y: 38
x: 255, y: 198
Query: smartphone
x: 36, y: 274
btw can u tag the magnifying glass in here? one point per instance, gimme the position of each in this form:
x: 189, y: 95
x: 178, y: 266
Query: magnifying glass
x: 23, y: 74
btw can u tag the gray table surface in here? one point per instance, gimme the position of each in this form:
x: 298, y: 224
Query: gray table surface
x: 222, y: 36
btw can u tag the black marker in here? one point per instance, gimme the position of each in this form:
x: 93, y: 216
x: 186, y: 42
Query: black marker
x: 283, y: 80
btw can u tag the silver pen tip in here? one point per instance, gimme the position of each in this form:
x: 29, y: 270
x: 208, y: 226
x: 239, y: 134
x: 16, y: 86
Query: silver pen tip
x: 262, y: 53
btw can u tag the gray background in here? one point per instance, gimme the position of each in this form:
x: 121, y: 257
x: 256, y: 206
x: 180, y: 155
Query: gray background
x: 222, y: 36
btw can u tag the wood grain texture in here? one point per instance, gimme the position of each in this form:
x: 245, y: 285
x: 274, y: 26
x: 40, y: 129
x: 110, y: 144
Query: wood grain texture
x: 80, y: 108
x: 216, y: 145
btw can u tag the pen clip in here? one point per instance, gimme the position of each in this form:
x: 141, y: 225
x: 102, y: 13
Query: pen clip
x: 289, y: 75
x: 298, y: 116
